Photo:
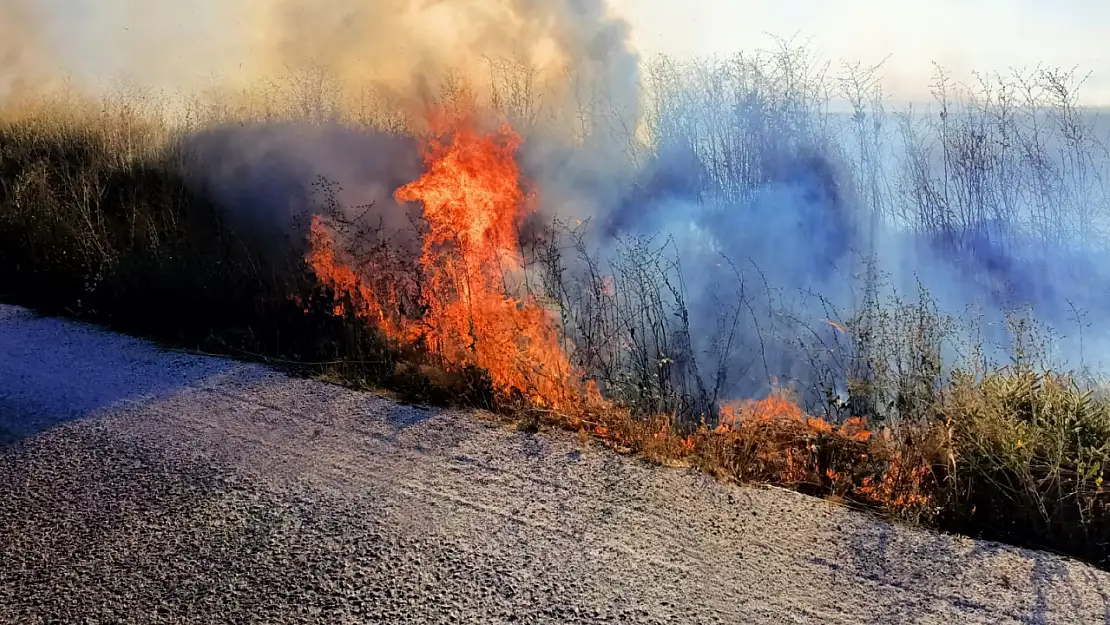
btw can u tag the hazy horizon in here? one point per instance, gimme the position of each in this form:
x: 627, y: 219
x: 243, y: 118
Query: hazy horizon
x: 907, y: 36
x: 176, y: 46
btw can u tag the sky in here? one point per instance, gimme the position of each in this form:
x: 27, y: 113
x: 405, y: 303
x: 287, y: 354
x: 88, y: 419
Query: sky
x: 962, y: 35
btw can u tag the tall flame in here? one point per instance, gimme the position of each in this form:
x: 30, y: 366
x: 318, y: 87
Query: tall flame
x: 473, y: 203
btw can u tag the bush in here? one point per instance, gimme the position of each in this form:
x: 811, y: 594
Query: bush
x: 1032, y: 460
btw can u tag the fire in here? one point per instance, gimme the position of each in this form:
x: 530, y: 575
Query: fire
x: 323, y: 258
x: 776, y: 406
x: 473, y: 202
x: 779, y: 410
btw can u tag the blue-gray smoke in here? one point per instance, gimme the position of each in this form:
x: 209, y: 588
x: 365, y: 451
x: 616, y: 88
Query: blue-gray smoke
x: 769, y: 212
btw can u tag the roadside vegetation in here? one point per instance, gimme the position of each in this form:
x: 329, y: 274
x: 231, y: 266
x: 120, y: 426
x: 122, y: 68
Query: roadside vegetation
x: 898, y: 405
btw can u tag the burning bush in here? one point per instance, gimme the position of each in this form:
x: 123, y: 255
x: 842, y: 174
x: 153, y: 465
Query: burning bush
x: 463, y: 307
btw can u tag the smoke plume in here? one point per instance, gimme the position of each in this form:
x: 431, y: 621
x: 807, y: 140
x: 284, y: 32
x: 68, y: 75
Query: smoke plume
x: 24, y: 51
x: 403, y: 47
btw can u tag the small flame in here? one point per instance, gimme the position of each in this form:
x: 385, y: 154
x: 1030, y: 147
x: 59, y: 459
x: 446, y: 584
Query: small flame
x: 774, y: 407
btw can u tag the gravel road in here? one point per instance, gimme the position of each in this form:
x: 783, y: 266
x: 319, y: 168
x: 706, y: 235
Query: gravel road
x: 141, y: 486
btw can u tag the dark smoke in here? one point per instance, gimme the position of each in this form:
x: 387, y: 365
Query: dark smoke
x: 271, y: 178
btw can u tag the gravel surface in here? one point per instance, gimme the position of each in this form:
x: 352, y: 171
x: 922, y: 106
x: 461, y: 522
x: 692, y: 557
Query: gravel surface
x: 149, y: 487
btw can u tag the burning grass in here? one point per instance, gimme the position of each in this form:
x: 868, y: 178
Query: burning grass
x: 473, y: 203
x: 94, y: 227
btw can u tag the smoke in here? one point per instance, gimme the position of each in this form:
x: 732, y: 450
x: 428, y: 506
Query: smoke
x: 773, y: 250
x: 24, y: 50
x: 271, y: 177
x: 399, y: 47
x: 543, y: 63
x: 770, y: 212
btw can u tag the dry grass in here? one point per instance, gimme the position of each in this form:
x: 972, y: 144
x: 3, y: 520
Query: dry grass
x: 1031, y: 456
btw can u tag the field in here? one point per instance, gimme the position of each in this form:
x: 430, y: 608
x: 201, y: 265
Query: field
x: 898, y: 311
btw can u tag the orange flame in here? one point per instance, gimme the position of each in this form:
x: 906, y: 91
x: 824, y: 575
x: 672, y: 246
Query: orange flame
x: 333, y: 273
x: 774, y: 407
x: 473, y: 202
x: 778, y: 409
